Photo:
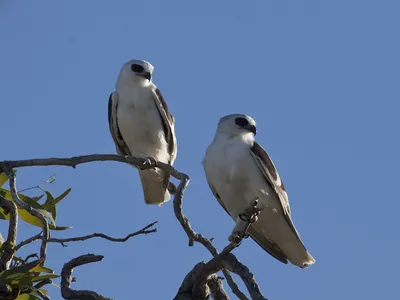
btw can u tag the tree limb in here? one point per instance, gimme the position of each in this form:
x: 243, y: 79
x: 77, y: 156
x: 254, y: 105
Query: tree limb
x: 144, y: 230
x: 8, y: 248
x: 66, y: 278
x: 143, y: 163
x: 217, y: 291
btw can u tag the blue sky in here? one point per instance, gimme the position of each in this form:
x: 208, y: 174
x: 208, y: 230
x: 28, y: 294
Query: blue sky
x: 321, y: 79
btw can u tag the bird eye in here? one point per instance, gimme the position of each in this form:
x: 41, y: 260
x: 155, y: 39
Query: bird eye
x: 241, y: 122
x: 137, y: 68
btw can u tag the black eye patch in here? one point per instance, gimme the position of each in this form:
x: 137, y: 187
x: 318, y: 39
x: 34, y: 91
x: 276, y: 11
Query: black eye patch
x: 241, y: 122
x: 137, y: 68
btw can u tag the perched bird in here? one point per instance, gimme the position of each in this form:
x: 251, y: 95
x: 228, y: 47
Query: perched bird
x: 238, y: 171
x: 142, y: 126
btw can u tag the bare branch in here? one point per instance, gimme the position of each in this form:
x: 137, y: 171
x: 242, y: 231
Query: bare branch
x: 28, y: 241
x: 217, y: 290
x: 34, y: 212
x: 8, y: 248
x: 143, y: 163
x: 144, y: 230
x: 185, y: 291
x: 211, y: 286
x: 66, y: 278
x: 103, y: 236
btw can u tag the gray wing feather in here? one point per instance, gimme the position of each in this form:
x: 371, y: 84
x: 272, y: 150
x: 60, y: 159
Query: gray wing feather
x: 271, y: 175
x: 168, y: 123
x: 120, y: 144
x: 169, y: 130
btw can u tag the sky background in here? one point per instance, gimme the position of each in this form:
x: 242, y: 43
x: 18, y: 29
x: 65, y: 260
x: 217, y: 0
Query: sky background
x: 321, y: 78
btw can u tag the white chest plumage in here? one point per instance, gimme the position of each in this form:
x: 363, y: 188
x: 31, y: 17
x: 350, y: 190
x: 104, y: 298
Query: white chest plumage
x: 140, y: 123
x: 229, y: 167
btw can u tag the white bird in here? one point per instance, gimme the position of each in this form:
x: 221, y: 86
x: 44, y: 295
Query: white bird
x: 142, y: 126
x: 238, y: 171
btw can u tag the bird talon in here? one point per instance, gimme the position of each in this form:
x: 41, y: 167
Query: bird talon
x: 149, y: 161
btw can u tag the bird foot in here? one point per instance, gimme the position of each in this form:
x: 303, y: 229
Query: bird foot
x: 149, y: 163
x: 235, y: 238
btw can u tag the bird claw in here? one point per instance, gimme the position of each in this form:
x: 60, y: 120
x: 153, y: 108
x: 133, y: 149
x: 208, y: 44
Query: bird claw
x: 150, y: 162
x: 235, y: 238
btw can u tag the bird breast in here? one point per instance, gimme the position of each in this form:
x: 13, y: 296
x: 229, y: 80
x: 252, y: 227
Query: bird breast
x: 140, y: 124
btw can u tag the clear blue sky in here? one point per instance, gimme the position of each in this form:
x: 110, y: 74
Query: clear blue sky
x: 320, y: 77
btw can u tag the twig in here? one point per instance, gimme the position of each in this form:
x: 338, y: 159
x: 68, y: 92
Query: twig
x: 66, y: 278
x: 13, y: 188
x: 8, y: 248
x: 28, y: 241
x: 144, y: 230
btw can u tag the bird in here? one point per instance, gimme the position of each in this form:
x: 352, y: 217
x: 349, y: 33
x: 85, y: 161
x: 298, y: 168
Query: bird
x: 238, y: 171
x: 142, y: 126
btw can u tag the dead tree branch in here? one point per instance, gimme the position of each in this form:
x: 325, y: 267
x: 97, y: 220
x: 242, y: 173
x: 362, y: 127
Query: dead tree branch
x: 66, y: 279
x: 144, y: 230
x: 8, y: 248
x: 217, y: 291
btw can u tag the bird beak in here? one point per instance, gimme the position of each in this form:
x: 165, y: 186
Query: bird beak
x: 146, y: 75
x: 251, y: 128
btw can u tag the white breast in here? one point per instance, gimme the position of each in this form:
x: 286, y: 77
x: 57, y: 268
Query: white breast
x: 232, y: 171
x: 140, y: 123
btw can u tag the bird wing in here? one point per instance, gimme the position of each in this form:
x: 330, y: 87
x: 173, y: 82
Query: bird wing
x: 120, y: 144
x: 267, y: 168
x: 168, y: 122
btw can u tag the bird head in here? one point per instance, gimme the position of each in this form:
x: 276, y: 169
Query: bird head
x: 237, y: 124
x: 136, y: 72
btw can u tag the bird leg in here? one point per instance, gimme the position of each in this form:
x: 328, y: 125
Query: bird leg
x: 243, y: 222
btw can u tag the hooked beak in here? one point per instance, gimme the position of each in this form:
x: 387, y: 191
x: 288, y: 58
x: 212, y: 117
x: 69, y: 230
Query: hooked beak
x: 251, y: 128
x: 146, y: 75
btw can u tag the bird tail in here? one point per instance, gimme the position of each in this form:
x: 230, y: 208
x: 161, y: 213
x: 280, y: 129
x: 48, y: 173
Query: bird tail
x: 154, y: 187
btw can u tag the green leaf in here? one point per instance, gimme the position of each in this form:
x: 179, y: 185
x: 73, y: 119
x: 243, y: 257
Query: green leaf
x: 1, y: 239
x: 36, y: 199
x: 59, y: 228
x: 16, y: 272
x: 3, y: 215
x: 42, y: 269
x: 3, y: 178
x: 50, y: 204
x: 7, y: 194
x: 30, y: 296
x: 43, y: 277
